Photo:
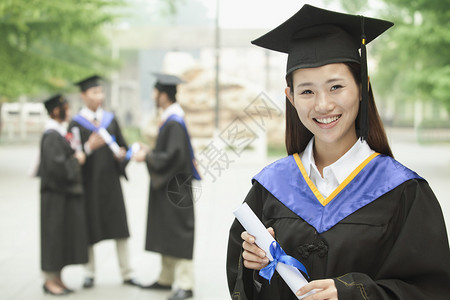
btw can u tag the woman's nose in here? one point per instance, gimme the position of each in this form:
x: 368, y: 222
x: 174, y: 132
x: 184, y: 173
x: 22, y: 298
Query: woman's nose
x: 324, y: 103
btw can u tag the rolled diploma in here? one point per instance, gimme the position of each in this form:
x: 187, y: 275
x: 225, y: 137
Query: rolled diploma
x: 135, y: 147
x: 76, y: 139
x: 109, y: 141
x: 291, y: 275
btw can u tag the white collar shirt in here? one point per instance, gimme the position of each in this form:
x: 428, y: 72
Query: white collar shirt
x: 336, y: 173
x: 54, y: 125
x: 173, y: 109
x: 92, y: 115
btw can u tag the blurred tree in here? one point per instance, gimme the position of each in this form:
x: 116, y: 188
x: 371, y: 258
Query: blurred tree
x: 413, y: 58
x: 350, y: 6
x: 415, y: 61
x: 44, y: 44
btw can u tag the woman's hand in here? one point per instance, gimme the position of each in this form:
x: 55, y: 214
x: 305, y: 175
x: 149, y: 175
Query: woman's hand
x: 80, y: 156
x: 122, y: 153
x: 254, y: 257
x: 140, y: 155
x: 95, y: 141
x: 325, y: 289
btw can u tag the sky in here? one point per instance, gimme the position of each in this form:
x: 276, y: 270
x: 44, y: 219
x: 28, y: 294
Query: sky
x: 255, y: 13
x: 232, y: 14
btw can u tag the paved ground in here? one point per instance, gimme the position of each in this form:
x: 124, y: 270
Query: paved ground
x: 19, y: 223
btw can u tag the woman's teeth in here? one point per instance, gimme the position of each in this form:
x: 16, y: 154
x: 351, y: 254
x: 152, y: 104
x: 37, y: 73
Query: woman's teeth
x: 327, y: 120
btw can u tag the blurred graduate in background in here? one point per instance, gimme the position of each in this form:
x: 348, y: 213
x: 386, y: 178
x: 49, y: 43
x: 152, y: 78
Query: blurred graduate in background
x: 64, y: 238
x: 171, y: 165
x: 105, y: 207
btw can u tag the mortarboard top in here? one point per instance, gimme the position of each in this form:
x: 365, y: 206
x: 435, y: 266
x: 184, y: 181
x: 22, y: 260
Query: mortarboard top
x: 53, y: 102
x: 314, y: 37
x: 167, y: 79
x: 89, y: 82
x: 167, y: 83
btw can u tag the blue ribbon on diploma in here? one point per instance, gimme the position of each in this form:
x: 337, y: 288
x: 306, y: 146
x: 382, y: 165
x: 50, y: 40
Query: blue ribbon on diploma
x: 279, y: 255
x: 129, y: 154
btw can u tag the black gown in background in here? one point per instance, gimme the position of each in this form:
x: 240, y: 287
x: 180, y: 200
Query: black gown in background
x: 105, y: 207
x: 63, y: 223
x: 170, y: 223
x: 393, y: 248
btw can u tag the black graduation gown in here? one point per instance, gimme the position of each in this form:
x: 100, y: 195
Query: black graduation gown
x: 63, y: 222
x: 396, y: 247
x: 170, y: 223
x: 105, y: 207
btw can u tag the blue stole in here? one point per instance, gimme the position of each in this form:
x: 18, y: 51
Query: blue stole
x: 180, y: 120
x: 106, y: 121
x: 287, y: 180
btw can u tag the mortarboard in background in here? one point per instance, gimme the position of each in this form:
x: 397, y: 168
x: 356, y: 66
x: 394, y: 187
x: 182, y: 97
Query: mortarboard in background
x: 89, y: 82
x: 167, y: 79
x: 167, y: 83
x: 53, y: 102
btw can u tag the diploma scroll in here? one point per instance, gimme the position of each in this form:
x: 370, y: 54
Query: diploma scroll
x: 76, y: 142
x: 291, y: 275
x: 109, y: 141
x: 135, y: 147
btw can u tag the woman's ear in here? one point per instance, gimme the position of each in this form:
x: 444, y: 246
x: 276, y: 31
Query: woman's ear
x: 289, y: 95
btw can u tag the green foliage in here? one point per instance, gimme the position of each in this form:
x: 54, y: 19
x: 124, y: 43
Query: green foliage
x: 414, y: 62
x: 350, y: 6
x: 171, y: 6
x: 46, y: 44
x: 276, y: 150
x: 413, y: 59
x: 133, y: 135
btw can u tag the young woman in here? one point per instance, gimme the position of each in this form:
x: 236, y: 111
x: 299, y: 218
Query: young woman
x: 363, y: 225
x: 63, y: 222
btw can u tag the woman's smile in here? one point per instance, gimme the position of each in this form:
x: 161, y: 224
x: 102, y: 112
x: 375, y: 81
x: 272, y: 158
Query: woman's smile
x: 327, y: 121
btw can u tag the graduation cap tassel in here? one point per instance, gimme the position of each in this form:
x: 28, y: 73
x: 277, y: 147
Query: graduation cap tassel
x: 364, y: 120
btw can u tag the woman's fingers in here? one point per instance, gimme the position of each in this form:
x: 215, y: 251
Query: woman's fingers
x: 252, y: 261
x: 249, y: 245
x: 324, y: 289
x: 254, y: 257
x: 248, y: 237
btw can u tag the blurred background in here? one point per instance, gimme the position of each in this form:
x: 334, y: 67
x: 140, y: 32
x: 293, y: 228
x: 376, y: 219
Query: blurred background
x: 46, y: 46
x: 233, y: 97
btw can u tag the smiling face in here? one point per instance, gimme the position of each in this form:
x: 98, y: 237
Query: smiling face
x: 93, y: 97
x: 327, y: 101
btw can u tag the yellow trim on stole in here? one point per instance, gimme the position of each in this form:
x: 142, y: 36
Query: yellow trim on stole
x: 320, y: 198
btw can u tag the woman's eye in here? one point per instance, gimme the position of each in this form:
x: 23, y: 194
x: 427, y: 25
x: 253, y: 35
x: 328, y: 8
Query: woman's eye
x: 306, y: 92
x: 335, y: 87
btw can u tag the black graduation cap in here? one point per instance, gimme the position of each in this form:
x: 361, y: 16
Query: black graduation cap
x: 314, y: 37
x: 54, y: 101
x: 167, y: 79
x: 89, y: 82
x: 167, y: 83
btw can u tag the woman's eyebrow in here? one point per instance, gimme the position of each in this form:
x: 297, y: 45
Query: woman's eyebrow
x: 306, y: 84
x: 334, y: 80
